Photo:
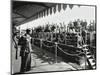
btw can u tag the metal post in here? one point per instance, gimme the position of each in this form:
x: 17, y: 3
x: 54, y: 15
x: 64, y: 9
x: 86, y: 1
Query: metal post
x: 85, y: 56
x: 86, y: 38
x: 51, y: 36
x: 41, y: 43
x: 77, y: 41
x: 65, y: 33
x: 65, y: 38
x: 55, y: 52
x: 85, y: 59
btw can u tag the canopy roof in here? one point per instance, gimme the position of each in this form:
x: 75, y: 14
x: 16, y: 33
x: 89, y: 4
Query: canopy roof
x: 24, y: 10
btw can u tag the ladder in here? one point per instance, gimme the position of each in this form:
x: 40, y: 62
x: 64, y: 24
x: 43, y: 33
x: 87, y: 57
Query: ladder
x: 90, y: 58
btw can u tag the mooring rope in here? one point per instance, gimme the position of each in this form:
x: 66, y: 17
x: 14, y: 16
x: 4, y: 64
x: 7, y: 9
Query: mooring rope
x: 48, y: 46
x: 69, y: 53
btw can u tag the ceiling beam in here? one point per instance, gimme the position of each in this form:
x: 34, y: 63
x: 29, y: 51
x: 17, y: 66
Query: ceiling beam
x: 20, y: 14
x: 18, y: 4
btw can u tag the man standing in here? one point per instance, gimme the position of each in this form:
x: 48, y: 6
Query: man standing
x: 25, y: 49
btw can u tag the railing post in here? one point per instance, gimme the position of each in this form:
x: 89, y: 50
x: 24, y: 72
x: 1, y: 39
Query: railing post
x: 85, y: 50
x: 77, y: 41
x: 51, y: 36
x: 56, y: 52
x: 41, y: 43
x: 65, y: 38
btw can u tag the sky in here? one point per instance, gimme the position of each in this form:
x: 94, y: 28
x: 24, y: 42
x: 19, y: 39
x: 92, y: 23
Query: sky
x: 64, y: 16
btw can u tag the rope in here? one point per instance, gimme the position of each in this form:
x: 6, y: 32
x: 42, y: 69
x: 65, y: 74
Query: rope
x: 70, y: 54
x: 63, y: 50
x: 48, y: 46
x: 59, y: 39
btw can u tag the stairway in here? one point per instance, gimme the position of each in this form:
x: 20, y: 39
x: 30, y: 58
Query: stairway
x: 90, y: 58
